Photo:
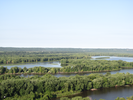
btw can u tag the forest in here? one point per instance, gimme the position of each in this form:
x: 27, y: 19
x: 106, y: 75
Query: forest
x: 32, y: 56
x: 49, y: 86
x: 26, y: 57
x: 71, y: 66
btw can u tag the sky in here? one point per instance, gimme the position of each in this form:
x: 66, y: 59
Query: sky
x: 66, y: 23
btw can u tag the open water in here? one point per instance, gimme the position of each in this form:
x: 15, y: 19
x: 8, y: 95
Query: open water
x: 105, y: 93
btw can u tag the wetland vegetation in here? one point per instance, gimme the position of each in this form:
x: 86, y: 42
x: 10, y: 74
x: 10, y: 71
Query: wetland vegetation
x: 72, y: 66
x: 48, y: 87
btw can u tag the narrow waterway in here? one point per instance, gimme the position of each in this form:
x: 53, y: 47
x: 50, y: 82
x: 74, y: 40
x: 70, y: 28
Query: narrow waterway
x: 73, y: 74
x: 105, y: 93
x: 58, y: 64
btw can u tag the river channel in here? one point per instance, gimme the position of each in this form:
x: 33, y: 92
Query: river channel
x: 57, y: 64
x: 108, y: 93
x: 105, y: 93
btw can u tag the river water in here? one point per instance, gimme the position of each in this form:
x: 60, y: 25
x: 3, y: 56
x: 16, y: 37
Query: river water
x: 57, y: 64
x: 30, y: 65
x: 128, y: 59
x: 73, y: 74
x: 105, y: 93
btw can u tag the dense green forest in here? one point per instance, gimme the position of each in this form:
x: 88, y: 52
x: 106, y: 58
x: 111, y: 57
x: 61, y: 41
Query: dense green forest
x: 72, y: 60
x: 26, y: 57
x: 83, y: 65
x: 49, y: 86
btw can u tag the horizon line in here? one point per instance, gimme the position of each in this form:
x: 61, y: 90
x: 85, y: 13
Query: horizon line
x: 72, y: 47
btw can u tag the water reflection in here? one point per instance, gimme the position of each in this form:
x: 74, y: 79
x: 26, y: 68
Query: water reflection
x: 73, y: 74
x: 128, y: 59
x: 58, y: 64
x: 30, y: 65
x: 107, y: 93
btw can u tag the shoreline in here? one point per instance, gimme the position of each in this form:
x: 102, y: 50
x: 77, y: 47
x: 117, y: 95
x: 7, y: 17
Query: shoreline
x: 33, y: 73
x: 93, y: 89
x: 59, y: 73
x: 27, y: 63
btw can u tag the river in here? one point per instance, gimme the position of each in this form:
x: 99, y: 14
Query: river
x: 127, y: 59
x: 51, y: 64
x: 30, y: 65
x: 105, y: 93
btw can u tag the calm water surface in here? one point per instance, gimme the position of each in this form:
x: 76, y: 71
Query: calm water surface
x: 107, y: 93
x: 128, y: 59
x: 58, y: 64
x: 73, y: 74
x: 30, y: 65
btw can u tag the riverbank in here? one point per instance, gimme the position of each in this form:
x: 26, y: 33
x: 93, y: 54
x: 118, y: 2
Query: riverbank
x: 91, y: 90
x: 60, y: 94
x: 86, y: 98
x: 84, y: 72
x: 59, y: 72
x: 64, y: 86
x: 20, y: 63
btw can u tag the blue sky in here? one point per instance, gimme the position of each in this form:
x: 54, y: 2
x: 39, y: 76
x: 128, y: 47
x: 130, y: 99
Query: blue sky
x: 66, y: 23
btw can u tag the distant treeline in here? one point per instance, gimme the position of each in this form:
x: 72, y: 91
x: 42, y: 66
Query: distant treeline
x: 24, y: 57
x: 66, y: 50
x: 48, y: 86
x: 72, y: 66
